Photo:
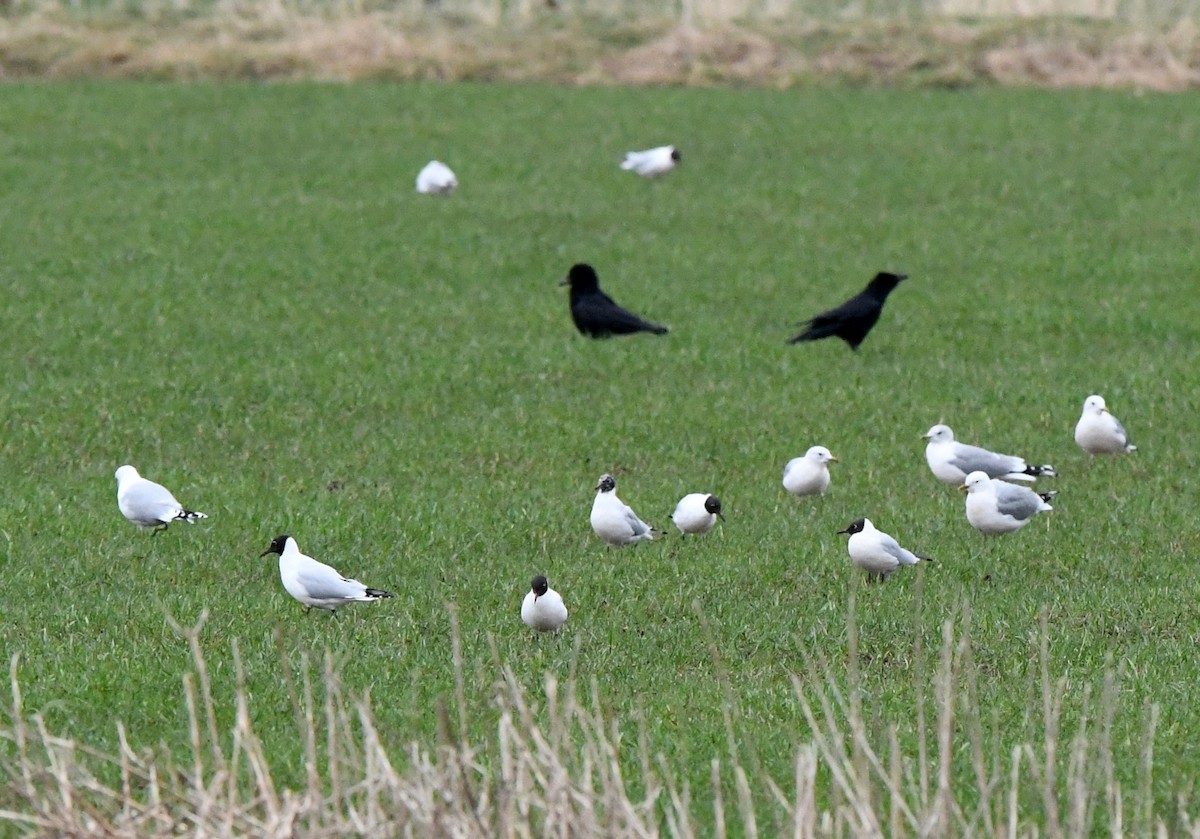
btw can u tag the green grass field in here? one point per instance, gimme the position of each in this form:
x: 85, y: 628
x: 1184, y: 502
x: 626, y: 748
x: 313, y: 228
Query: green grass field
x: 236, y: 289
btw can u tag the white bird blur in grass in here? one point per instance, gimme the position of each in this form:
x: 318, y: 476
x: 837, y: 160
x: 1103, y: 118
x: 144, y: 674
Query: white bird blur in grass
x: 149, y: 505
x: 316, y: 584
x: 697, y: 512
x: 995, y: 506
x: 613, y: 520
x: 951, y: 461
x: 436, y: 179
x: 543, y: 609
x: 652, y: 163
x: 876, y: 552
x: 808, y: 475
x: 1099, y: 432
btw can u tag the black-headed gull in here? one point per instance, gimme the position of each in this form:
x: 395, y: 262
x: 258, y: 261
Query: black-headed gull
x: 147, y: 504
x: 652, y: 163
x: 543, y: 607
x: 995, y: 506
x: 697, y: 512
x: 1099, y: 432
x: 876, y: 552
x: 808, y: 475
x: 613, y: 520
x: 951, y: 461
x: 316, y: 584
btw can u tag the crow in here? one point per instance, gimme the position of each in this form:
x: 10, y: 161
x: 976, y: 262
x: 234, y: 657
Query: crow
x: 594, y: 312
x: 852, y: 320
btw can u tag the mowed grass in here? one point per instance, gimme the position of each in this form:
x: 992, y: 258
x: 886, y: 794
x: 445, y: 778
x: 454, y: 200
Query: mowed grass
x: 236, y: 289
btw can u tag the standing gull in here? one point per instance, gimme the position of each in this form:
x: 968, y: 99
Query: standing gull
x: 1099, y: 432
x: 595, y: 313
x: 697, y: 512
x: 543, y: 607
x: 147, y: 504
x: 951, y: 461
x: 995, y: 507
x: 809, y: 475
x: 876, y: 552
x: 652, y: 163
x: 612, y: 518
x: 316, y: 584
x: 852, y: 320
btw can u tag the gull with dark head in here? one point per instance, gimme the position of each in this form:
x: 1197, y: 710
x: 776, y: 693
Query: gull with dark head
x: 315, y: 584
x: 613, y: 520
x: 543, y: 609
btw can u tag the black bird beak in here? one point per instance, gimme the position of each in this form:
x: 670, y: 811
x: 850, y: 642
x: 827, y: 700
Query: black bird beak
x: 264, y: 553
x: 847, y: 530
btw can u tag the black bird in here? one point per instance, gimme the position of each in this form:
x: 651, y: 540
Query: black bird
x: 852, y: 320
x: 595, y: 313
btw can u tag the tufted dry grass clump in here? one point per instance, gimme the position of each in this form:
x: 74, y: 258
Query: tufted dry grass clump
x: 558, y: 764
x: 735, y: 42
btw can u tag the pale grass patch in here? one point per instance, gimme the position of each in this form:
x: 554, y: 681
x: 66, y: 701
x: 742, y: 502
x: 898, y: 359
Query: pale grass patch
x: 1059, y: 43
x: 555, y: 764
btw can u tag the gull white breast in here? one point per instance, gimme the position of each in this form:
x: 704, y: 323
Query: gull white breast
x: 543, y: 609
x: 808, y: 475
x: 876, y: 552
x: 951, y: 461
x: 147, y: 504
x: 697, y: 512
x: 613, y: 520
x: 315, y: 584
x: 995, y: 507
x: 1099, y: 432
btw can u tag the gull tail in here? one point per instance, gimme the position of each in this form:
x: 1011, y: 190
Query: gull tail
x: 925, y: 558
x: 377, y: 594
x: 190, y: 516
x: 1043, y: 471
x: 1047, y: 497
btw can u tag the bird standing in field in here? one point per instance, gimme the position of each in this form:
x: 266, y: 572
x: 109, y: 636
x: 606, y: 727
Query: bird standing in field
x: 852, y: 320
x: 436, y: 179
x: 995, y: 507
x: 697, y: 512
x: 652, y: 163
x: 542, y: 608
x: 613, y: 520
x: 808, y: 475
x: 951, y: 461
x: 876, y: 552
x: 594, y: 312
x: 149, y: 505
x: 1099, y: 432
x: 316, y: 584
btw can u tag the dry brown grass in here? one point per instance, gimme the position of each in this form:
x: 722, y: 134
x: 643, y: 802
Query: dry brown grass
x: 760, y: 43
x: 555, y: 765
